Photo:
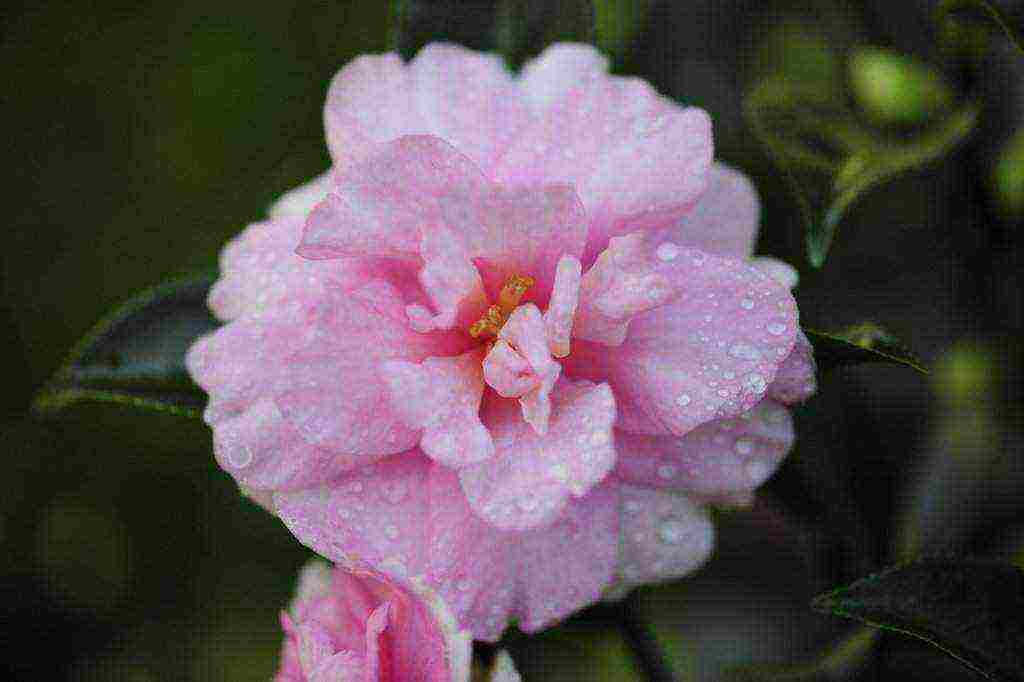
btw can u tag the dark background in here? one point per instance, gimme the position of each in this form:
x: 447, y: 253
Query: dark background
x: 141, y: 136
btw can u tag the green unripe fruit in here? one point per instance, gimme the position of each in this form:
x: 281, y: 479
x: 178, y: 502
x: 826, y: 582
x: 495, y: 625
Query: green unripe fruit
x: 894, y: 89
x: 1008, y: 177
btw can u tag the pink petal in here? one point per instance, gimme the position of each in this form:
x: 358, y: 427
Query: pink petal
x: 567, y: 565
x: 637, y: 160
x: 725, y: 219
x: 561, y: 312
x: 709, y: 353
x: 381, y: 206
x: 664, y: 536
x: 781, y: 271
x: 622, y: 283
x: 463, y: 96
x: 451, y: 281
x: 259, y: 269
x: 558, y: 70
x: 407, y: 517
x: 343, y: 666
x: 518, y: 231
x: 796, y: 380
x: 531, y: 477
x: 442, y: 397
x: 520, y: 365
x: 721, y: 456
x: 300, y: 201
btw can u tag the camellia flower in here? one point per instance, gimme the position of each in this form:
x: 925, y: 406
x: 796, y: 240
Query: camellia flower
x: 362, y: 626
x: 512, y: 343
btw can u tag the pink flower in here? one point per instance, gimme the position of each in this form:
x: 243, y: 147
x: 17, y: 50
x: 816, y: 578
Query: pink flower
x: 512, y: 343
x: 364, y: 627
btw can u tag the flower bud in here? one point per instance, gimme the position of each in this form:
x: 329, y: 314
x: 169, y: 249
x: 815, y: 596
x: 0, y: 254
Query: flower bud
x: 894, y: 89
x: 1008, y: 177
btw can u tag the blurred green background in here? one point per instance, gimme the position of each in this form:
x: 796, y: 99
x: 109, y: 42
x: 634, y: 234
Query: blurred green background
x: 142, y: 136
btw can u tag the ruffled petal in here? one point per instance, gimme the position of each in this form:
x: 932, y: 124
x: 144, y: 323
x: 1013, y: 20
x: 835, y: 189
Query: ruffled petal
x: 781, y: 271
x: 519, y: 365
x: 719, y: 457
x: 518, y: 231
x: 452, y: 283
x: 531, y: 477
x: 637, y: 160
x: 710, y: 352
x: 407, y: 517
x: 565, y: 566
x: 442, y: 397
x: 463, y: 96
x: 380, y: 207
x: 796, y: 380
x: 663, y: 536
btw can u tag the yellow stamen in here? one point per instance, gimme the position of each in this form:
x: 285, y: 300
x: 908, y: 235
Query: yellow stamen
x: 512, y: 292
x: 508, y: 299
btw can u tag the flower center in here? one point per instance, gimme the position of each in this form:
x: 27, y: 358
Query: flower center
x: 494, y: 319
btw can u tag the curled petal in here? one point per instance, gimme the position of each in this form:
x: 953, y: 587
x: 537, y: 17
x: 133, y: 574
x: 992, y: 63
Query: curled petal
x: 531, y: 477
x: 442, y: 397
x: 720, y: 457
x: 558, y: 70
x: 796, y: 380
x: 725, y: 219
x: 451, y: 281
x: 561, y: 313
x: 300, y: 201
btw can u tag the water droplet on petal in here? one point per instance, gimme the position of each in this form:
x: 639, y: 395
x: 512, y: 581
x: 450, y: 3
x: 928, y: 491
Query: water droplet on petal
x: 391, y: 531
x: 744, y: 446
x: 776, y: 328
x: 745, y: 351
x: 672, y: 531
x: 683, y: 400
x: 667, y: 251
x: 666, y: 471
x: 747, y: 304
x: 240, y: 457
x: 756, y: 383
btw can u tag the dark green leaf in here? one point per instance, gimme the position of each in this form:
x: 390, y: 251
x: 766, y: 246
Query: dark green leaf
x: 972, y: 610
x: 135, y: 356
x: 831, y: 157
x: 526, y: 27
x: 951, y: 12
x: 415, y: 23
x: 861, y: 343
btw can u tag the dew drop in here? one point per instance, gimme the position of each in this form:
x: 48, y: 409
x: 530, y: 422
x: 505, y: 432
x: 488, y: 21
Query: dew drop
x: 683, y: 400
x: 666, y: 471
x: 241, y: 457
x: 747, y: 304
x: 667, y: 251
x: 776, y: 328
x: 671, y: 531
x: 391, y: 531
x: 756, y: 383
x: 632, y: 506
x: 744, y: 446
x: 745, y: 351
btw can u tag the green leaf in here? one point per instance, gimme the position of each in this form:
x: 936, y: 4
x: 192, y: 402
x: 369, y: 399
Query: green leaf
x: 135, y: 357
x: 866, y: 342
x: 831, y: 157
x: 951, y: 13
x: 971, y: 610
x: 415, y: 23
x: 526, y: 27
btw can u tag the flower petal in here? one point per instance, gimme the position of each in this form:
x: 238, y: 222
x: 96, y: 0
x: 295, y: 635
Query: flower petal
x: 637, y: 160
x: 518, y: 231
x: 300, y: 201
x: 442, y: 397
x: 561, y: 313
x: 796, y: 380
x: 451, y: 281
x: 558, y: 70
x: 781, y: 271
x: 381, y: 206
x: 709, y: 352
x: 407, y: 517
x: 721, y: 456
x: 664, y: 536
x: 725, y: 219
x: 531, y: 477
x: 565, y: 566
x: 519, y: 365
x: 463, y: 96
